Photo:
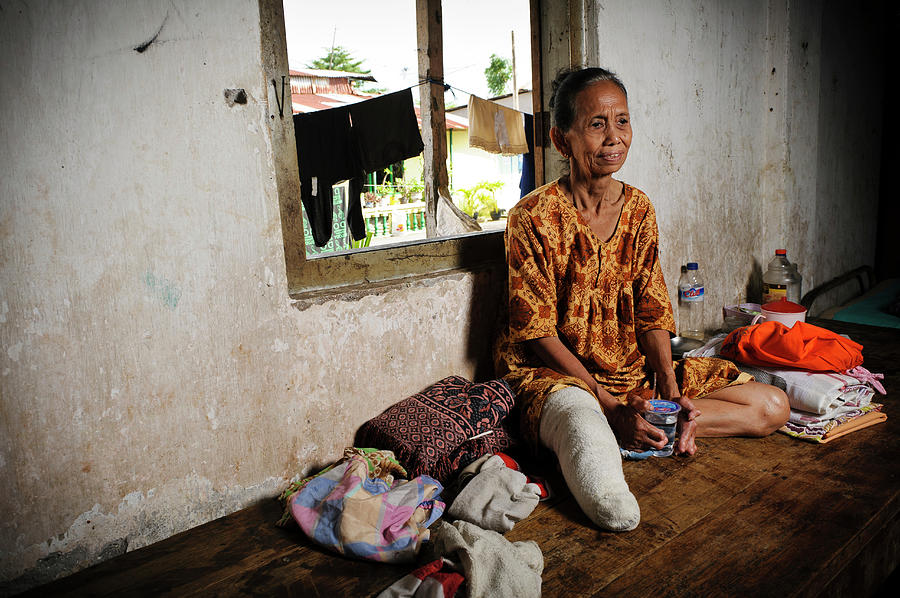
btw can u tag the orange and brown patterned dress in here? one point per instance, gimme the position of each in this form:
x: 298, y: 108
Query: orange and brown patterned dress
x: 597, y: 297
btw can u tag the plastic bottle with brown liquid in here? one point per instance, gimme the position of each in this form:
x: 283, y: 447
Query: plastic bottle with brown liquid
x: 781, y: 280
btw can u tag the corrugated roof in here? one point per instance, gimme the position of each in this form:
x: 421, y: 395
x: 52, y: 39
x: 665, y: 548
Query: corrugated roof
x: 330, y: 74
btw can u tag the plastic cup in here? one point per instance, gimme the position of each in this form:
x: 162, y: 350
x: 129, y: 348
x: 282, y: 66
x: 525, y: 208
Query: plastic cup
x: 664, y: 415
x: 784, y: 311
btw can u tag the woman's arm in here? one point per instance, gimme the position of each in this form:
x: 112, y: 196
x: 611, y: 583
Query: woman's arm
x: 657, y: 349
x: 630, y: 428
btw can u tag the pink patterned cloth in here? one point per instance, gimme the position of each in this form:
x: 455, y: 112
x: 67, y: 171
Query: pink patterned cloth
x: 866, y: 377
x: 350, y: 510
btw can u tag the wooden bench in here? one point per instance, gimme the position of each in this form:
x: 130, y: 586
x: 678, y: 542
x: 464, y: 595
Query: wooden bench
x: 745, y: 517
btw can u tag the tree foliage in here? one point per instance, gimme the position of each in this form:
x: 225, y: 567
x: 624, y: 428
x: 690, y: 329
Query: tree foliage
x: 338, y: 58
x: 498, y: 74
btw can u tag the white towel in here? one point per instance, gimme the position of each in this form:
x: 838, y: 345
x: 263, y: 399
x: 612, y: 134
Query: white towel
x: 496, y: 498
x: 821, y: 393
x: 493, y: 566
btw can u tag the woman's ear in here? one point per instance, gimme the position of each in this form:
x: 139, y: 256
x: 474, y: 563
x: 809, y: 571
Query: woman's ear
x: 559, y: 142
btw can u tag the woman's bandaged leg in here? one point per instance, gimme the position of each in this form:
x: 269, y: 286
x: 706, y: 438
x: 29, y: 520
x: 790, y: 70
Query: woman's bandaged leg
x: 576, y: 430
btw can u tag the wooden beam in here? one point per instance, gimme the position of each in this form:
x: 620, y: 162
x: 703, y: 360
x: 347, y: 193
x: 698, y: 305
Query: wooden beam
x: 537, y: 93
x: 430, y: 39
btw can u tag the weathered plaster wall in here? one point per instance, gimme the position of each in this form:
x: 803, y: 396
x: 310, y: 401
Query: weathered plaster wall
x: 153, y: 373
x: 757, y: 126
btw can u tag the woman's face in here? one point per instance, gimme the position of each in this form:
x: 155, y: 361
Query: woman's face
x: 600, y: 135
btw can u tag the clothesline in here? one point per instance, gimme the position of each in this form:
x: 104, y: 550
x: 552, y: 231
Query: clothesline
x: 490, y: 129
x: 493, y: 130
x: 447, y: 87
x: 344, y: 142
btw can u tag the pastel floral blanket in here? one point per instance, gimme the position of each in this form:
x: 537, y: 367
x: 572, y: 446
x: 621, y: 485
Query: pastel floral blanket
x: 357, y: 507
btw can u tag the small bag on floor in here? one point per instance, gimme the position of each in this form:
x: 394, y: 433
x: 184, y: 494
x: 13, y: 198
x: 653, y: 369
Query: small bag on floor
x: 356, y: 507
x: 445, y: 427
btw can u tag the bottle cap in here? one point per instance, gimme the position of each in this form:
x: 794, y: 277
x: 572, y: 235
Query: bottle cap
x: 781, y: 252
x: 692, y: 265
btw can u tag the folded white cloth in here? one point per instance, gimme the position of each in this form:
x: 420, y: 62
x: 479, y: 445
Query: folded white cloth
x: 821, y: 393
x: 496, y: 498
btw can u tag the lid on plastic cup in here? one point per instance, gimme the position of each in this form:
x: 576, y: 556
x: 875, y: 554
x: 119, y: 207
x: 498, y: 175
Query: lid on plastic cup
x: 783, y: 306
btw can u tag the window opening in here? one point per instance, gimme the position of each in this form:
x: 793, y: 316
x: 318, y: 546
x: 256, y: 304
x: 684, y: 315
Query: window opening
x: 342, y: 53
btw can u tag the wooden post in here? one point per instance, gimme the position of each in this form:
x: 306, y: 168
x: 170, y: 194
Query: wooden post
x: 541, y: 117
x: 434, y: 130
x: 512, y: 35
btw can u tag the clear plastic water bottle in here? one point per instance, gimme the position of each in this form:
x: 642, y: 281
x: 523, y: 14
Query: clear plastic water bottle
x: 795, y: 287
x: 782, y: 280
x: 691, y: 293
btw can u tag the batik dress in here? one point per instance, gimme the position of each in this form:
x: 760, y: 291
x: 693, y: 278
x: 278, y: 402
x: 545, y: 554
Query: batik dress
x: 597, y: 296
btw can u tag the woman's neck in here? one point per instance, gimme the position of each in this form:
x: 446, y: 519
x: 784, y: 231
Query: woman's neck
x: 592, y: 194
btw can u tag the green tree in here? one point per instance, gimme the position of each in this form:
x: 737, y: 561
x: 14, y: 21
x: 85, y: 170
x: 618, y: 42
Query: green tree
x: 338, y: 58
x: 498, y: 74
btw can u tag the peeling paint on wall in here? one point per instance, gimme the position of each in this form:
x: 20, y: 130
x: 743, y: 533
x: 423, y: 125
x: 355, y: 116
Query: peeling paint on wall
x: 162, y: 289
x: 140, y: 519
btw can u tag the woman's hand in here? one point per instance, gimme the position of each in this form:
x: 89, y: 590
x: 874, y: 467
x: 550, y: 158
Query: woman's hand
x: 631, y: 429
x: 687, y: 427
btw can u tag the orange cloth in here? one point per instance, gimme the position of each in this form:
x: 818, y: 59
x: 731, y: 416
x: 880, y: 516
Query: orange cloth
x: 597, y: 297
x: 804, y: 346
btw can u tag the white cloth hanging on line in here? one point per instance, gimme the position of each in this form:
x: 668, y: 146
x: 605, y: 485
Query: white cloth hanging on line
x: 495, y: 128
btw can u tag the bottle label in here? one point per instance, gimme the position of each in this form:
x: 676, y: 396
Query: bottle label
x: 691, y: 294
x: 773, y: 292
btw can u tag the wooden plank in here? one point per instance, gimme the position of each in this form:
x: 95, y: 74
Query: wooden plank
x: 430, y: 37
x: 673, y: 493
x: 241, y: 554
x: 537, y: 92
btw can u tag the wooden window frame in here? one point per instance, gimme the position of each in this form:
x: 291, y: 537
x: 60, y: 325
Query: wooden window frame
x: 364, y: 269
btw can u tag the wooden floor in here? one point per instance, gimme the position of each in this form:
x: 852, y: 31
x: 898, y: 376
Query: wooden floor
x: 744, y: 517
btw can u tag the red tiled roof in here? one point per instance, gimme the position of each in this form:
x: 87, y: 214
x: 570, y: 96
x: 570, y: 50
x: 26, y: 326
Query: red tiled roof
x: 311, y: 102
x: 456, y: 123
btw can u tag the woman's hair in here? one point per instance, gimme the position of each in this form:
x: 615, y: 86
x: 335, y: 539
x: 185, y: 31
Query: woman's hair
x: 566, y: 87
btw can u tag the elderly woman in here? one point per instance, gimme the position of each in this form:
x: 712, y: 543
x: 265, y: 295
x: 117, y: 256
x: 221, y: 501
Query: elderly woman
x: 590, y: 317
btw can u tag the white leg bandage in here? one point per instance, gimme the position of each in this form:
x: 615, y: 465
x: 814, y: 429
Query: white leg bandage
x: 576, y: 430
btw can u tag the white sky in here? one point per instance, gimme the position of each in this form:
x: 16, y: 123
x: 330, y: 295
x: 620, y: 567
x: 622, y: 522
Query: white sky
x: 383, y: 34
